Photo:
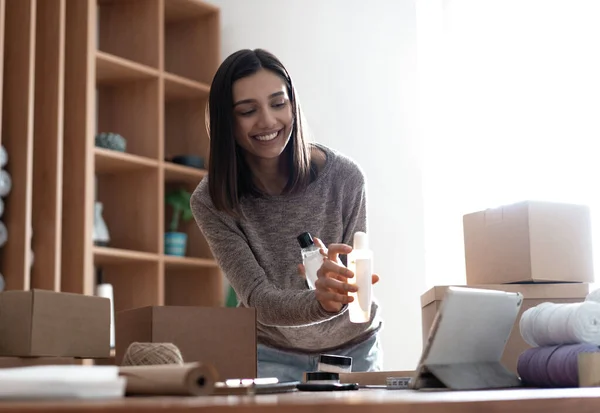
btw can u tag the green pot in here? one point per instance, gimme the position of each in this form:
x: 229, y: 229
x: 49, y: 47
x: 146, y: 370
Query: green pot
x: 175, y: 243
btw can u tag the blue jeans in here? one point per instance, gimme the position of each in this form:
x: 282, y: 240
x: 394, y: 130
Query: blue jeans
x: 289, y: 366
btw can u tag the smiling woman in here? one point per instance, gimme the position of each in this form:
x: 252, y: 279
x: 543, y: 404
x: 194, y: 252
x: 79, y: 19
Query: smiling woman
x: 266, y: 185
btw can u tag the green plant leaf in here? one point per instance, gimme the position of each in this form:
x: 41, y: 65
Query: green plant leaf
x: 179, y: 200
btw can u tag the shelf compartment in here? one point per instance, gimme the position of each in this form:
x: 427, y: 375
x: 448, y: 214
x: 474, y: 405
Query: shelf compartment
x: 135, y: 283
x: 194, y: 287
x: 196, y: 247
x: 175, y: 263
x: 191, y: 39
x: 48, y: 145
x: 177, y: 10
x: 108, y: 161
x: 17, y: 130
x: 130, y: 29
x: 185, y: 129
x: 132, y: 204
x: 177, y: 88
x: 175, y: 173
x: 132, y: 110
x: 111, y: 256
x: 115, y: 69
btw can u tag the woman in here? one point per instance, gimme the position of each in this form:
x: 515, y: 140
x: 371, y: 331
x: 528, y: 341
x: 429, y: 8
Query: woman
x: 265, y: 186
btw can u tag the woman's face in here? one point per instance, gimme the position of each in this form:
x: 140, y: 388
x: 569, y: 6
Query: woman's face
x: 263, y: 114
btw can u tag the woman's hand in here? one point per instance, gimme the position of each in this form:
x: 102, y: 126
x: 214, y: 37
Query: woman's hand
x: 332, y: 285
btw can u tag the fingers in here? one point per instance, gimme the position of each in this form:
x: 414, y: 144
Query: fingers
x: 331, y: 296
x: 337, y: 286
x: 301, y: 270
x: 333, y: 269
x: 333, y: 250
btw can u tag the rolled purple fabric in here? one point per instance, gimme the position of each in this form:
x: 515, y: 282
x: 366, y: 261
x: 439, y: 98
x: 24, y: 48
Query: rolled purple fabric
x: 552, y: 366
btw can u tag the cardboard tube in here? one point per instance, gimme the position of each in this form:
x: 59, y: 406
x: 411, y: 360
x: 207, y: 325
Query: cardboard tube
x: 190, y: 379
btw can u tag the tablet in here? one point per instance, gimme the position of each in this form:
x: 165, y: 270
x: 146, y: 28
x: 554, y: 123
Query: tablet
x: 467, y: 340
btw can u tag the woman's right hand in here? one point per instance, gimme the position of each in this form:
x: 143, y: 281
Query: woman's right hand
x: 332, y: 286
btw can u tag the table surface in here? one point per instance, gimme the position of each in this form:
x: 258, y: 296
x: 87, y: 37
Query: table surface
x: 580, y: 400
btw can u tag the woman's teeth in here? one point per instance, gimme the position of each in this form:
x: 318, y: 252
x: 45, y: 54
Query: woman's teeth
x: 268, y: 137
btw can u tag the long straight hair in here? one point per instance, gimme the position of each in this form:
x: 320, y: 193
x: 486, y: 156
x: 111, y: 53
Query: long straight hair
x: 229, y: 177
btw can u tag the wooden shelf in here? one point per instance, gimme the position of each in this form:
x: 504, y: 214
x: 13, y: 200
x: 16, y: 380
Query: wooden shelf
x: 187, y: 23
x: 178, y: 87
x: 106, y: 255
x: 109, y: 161
x: 130, y: 29
x: 71, y: 69
x: 181, y: 263
x: 114, y: 69
x: 180, y: 173
x: 178, y: 10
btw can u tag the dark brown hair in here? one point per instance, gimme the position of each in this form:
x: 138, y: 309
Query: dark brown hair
x: 229, y: 177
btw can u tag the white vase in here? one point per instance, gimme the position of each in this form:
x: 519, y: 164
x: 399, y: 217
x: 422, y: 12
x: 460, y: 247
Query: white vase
x: 101, y: 235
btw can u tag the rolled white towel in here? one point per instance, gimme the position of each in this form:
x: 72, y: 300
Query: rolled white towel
x: 550, y: 324
x: 593, y: 296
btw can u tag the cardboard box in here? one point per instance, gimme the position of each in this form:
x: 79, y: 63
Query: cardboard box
x: 42, y: 323
x: 223, y: 337
x: 12, y: 362
x: 530, y: 241
x: 533, y: 294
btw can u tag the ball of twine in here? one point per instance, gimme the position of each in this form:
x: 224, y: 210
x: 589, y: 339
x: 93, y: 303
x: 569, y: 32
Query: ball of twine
x: 147, y: 354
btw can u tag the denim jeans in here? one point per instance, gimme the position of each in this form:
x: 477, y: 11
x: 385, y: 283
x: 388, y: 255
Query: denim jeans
x: 290, y: 366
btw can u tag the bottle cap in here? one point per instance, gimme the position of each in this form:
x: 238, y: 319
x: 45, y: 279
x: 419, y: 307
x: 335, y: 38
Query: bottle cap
x: 361, y: 241
x: 305, y: 240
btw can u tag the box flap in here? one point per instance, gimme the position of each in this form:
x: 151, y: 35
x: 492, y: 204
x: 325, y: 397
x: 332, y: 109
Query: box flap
x: 232, y: 351
x: 15, y: 322
x: 545, y: 291
x: 132, y: 325
x: 433, y: 294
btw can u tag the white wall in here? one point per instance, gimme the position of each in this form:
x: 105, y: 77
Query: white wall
x: 354, y: 64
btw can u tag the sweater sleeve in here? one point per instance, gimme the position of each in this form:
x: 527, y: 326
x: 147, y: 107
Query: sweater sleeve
x: 274, y: 306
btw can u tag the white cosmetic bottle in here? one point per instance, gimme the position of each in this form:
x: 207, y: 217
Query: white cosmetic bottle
x: 311, y: 258
x: 360, y: 262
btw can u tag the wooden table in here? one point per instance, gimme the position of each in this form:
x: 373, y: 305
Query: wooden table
x: 578, y: 400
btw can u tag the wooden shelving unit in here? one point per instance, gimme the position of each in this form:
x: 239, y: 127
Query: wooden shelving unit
x: 71, y: 69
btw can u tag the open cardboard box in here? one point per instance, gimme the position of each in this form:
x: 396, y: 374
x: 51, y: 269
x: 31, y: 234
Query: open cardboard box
x: 222, y: 337
x: 533, y: 294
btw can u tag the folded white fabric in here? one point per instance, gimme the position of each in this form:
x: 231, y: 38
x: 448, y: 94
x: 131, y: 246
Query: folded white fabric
x: 550, y: 324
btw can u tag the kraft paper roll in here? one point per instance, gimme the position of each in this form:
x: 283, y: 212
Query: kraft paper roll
x: 189, y: 379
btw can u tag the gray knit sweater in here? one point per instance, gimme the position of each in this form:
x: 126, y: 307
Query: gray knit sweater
x: 260, y: 254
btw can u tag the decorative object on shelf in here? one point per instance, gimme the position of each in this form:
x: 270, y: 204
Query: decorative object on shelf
x: 101, y: 236
x: 192, y: 161
x: 3, y: 234
x: 176, y: 242
x: 106, y: 290
x: 3, y: 156
x: 2, y: 283
x: 151, y: 354
x: 5, y: 183
x: 1, y: 207
x: 114, y: 141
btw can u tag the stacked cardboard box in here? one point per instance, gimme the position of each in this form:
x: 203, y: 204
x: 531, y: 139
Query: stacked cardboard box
x: 540, y: 249
x: 40, y: 327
